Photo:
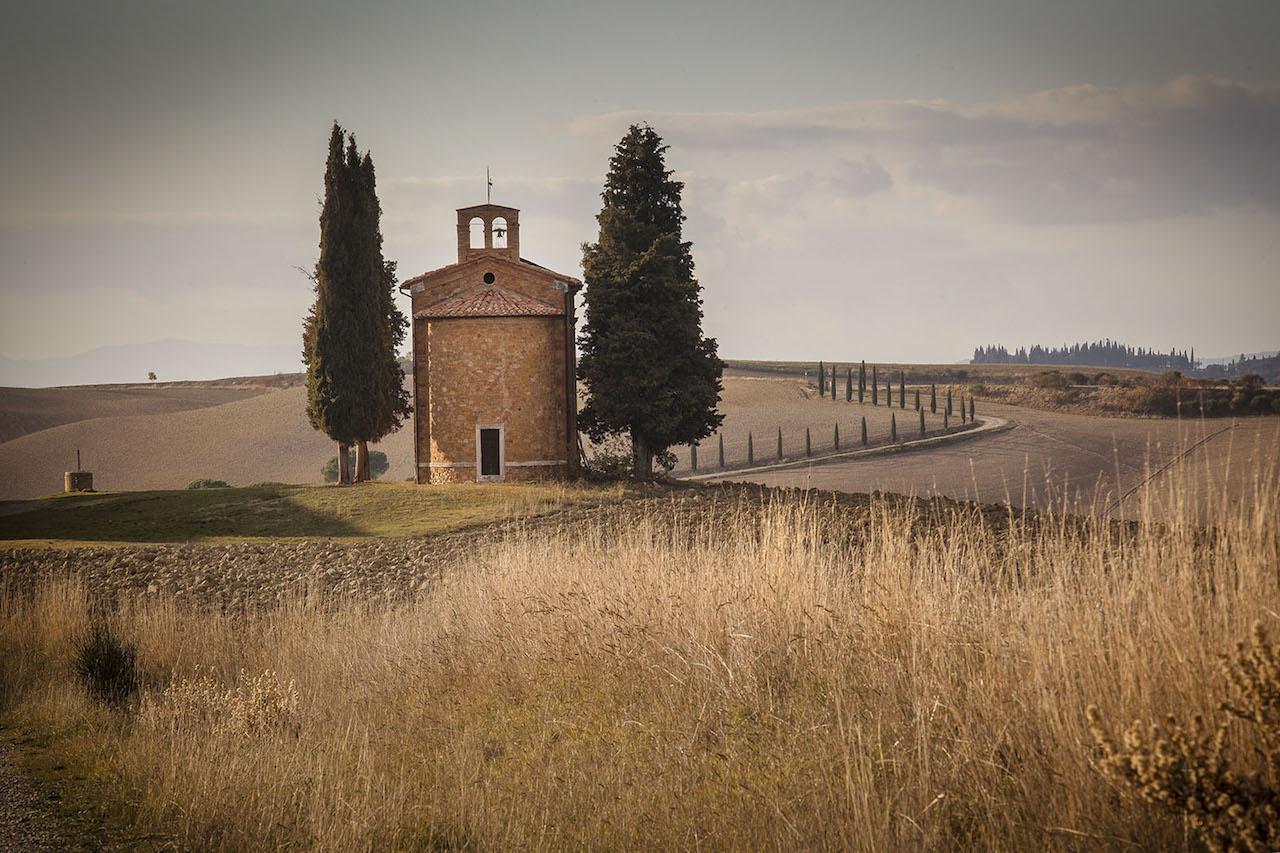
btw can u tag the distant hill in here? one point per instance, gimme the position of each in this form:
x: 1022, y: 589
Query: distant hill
x: 170, y: 360
x: 1227, y: 359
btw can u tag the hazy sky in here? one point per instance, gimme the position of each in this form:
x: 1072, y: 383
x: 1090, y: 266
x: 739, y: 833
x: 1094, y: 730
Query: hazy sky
x: 891, y: 181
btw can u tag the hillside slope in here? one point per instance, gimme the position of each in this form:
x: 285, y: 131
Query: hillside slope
x: 28, y: 410
x: 263, y: 437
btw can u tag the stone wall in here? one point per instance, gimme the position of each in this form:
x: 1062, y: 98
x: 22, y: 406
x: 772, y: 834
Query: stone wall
x: 491, y: 370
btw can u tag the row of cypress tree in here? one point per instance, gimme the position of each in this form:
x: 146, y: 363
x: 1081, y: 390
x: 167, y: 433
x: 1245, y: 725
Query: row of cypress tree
x: 355, y: 385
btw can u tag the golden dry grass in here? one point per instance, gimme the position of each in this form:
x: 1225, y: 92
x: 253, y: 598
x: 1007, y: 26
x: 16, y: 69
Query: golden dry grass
x: 803, y: 676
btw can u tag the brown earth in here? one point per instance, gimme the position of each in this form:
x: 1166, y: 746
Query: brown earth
x: 264, y: 436
x: 28, y: 410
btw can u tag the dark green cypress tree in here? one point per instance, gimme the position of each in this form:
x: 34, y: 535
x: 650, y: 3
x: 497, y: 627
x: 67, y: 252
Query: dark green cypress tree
x: 822, y: 380
x: 647, y: 368
x: 338, y: 379
x: 751, y: 450
x: 808, y: 443
x: 893, y: 427
x: 848, y: 385
x: 722, y: 450
x: 888, y: 391
x: 949, y: 409
x: 917, y: 399
x: 837, y: 437
x: 971, y: 407
x: 864, y: 427
x: 902, y: 390
x: 933, y: 399
x: 946, y: 419
x: 875, y: 387
x: 921, y: 411
x: 833, y: 383
x: 962, y: 411
x: 779, y: 444
x: 862, y: 380
x: 390, y: 400
x: 693, y: 456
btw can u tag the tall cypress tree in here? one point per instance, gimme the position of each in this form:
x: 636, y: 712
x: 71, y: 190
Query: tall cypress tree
x: 875, y: 387
x: 822, y: 380
x: 355, y: 386
x: 330, y: 332
x: 648, y: 369
x: 862, y: 380
x: 833, y: 383
x: 848, y: 385
x: 389, y: 400
x: 933, y: 399
x: 902, y: 390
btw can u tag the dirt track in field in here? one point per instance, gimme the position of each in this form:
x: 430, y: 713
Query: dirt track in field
x: 1082, y: 463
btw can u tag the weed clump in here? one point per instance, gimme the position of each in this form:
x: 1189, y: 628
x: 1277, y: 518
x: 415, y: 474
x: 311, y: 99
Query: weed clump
x: 255, y: 706
x: 206, y: 483
x: 1188, y: 769
x: 106, y: 664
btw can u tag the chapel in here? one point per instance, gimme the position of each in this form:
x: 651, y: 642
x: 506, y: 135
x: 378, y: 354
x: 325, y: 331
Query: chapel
x: 494, y: 366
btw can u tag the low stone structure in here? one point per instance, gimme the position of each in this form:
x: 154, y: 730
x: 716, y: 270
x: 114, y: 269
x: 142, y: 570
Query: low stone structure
x: 495, y: 393
x: 78, y: 481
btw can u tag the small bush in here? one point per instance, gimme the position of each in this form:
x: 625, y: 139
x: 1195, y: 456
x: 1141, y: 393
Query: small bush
x: 1189, y: 769
x: 1250, y: 382
x: 105, y: 664
x: 267, y: 484
x: 978, y: 388
x: 1077, y: 379
x: 206, y: 483
x: 612, y: 461
x: 378, y: 465
x: 1048, y: 379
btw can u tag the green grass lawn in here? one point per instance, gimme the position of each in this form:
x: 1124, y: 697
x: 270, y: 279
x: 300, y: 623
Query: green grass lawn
x: 283, y: 512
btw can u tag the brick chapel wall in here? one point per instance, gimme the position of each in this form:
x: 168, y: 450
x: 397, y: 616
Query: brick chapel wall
x: 507, y: 370
x: 421, y: 379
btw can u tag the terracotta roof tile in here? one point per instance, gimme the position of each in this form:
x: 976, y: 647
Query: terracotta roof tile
x: 490, y: 300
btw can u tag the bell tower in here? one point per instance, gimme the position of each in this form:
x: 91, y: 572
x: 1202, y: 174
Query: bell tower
x: 488, y: 230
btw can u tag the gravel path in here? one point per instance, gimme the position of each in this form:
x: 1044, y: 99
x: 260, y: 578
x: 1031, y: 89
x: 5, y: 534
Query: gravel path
x: 25, y: 824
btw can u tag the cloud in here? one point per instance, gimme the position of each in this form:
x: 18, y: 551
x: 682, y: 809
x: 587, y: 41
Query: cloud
x: 1074, y: 155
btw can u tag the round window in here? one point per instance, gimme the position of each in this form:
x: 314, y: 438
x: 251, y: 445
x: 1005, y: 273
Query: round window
x: 488, y: 278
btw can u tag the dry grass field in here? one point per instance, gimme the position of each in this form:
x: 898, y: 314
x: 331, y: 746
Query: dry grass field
x: 721, y: 669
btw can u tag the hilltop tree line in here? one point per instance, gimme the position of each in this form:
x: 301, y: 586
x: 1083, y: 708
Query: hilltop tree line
x: 1266, y: 366
x: 1104, y: 353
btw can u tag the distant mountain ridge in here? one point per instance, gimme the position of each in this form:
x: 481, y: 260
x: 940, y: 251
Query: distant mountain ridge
x: 171, y: 360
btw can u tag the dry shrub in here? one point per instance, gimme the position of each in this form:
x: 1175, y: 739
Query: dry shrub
x: 1231, y: 801
x: 254, y: 706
